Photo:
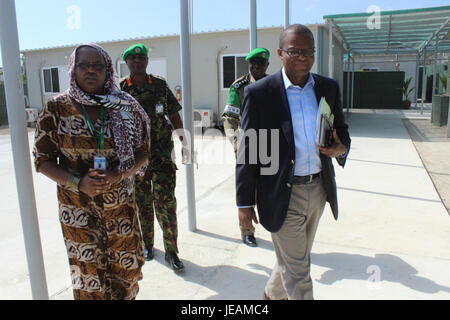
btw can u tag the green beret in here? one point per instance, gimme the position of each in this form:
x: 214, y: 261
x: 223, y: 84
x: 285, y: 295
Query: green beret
x: 135, y: 49
x: 259, y: 53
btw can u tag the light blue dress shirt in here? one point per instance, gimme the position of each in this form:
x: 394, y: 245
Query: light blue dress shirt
x: 304, y: 108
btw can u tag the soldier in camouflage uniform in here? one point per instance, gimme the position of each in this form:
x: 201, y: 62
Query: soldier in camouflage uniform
x: 258, y: 63
x: 156, y: 190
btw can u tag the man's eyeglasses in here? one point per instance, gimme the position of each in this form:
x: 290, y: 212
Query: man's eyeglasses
x: 85, y: 66
x: 300, y: 52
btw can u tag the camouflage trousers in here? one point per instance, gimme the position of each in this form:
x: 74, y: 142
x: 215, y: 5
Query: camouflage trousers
x: 155, y: 194
x: 244, y: 231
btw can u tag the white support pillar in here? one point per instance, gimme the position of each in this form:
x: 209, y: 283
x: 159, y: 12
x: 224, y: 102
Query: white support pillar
x: 416, y: 89
x: 435, y: 76
x: 448, y: 121
x: 287, y: 10
x: 185, y: 50
x: 330, y: 49
x: 353, y: 84
x: 348, y: 83
x: 9, y: 42
x: 253, y: 26
x: 424, y: 79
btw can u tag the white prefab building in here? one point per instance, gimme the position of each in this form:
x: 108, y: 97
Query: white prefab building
x: 217, y: 59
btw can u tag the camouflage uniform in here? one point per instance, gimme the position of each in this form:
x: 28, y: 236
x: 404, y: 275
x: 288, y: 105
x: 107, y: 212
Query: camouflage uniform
x: 231, y: 116
x: 157, y: 188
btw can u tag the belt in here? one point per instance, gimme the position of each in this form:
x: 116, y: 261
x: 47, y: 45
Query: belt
x: 306, y: 179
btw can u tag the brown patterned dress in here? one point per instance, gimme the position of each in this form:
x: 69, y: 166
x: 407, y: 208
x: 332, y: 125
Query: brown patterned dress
x: 102, y: 234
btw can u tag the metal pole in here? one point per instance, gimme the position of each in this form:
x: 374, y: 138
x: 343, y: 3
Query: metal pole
x: 286, y: 14
x: 448, y: 92
x: 435, y: 65
x: 330, y: 49
x: 353, y: 84
x: 348, y: 83
x: 320, y: 51
x: 448, y: 120
x: 253, y: 30
x: 21, y: 153
x: 424, y: 79
x: 187, y: 109
x: 416, y: 93
x: 191, y: 17
x: 399, y: 60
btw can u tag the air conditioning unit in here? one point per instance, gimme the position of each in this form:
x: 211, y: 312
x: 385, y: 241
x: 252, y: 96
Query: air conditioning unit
x: 32, y: 114
x: 203, y: 118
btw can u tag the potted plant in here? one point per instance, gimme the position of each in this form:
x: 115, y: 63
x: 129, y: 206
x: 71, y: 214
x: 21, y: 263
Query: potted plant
x: 406, y: 92
x: 443, y: 79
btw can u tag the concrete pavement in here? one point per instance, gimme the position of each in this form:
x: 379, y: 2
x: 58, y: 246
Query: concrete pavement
x: 391, y: 240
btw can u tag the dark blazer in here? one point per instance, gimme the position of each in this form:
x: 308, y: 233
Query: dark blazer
x: 266, y: 107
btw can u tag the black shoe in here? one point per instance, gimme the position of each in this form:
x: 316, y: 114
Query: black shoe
x: 249, y: 240
x: 148, y: 254
x: 174, y: 262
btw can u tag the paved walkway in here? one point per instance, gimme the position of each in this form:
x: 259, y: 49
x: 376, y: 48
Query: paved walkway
x: 391, y: 240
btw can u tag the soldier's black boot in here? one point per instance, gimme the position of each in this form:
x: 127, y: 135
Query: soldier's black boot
x: 174, y: 262
x: 249, y: 240
x: 148, y: 254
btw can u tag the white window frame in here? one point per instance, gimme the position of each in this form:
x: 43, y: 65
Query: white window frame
x: 121, y: 62
x: 43, y: 79
x: 235, y: 66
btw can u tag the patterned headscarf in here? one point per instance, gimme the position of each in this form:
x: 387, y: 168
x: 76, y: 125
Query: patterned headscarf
x: 126, y: 116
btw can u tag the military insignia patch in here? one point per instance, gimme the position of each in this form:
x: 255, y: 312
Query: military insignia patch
x: 137, y: 50
x: 159, y: 108
x: 241, y: 83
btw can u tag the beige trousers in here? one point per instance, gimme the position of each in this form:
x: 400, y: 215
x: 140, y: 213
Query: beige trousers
x: 290, y: 277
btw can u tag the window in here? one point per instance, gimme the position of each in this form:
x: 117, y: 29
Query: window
x: 51, y: 80
x: 233, y: 67
x: 155, y: 66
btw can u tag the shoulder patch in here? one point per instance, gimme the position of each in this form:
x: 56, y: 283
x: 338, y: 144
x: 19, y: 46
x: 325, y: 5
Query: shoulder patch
x: 123, y: 79
x: 158, y: 77
x: 125, y: 82
x: 241, y: 83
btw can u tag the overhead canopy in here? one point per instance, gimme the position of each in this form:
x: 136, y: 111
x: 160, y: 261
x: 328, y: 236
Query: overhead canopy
x: 399, y: 31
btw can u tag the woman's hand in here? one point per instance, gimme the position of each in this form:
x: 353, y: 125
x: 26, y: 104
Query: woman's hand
x: 112, y: 177
x: 96, y: 182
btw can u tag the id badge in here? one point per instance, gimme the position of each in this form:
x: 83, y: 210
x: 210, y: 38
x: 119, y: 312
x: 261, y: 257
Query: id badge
x: 100, y: 163
x: 159, y: 108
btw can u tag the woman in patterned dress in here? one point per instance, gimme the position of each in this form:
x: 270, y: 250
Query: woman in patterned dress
x: 97, y: 208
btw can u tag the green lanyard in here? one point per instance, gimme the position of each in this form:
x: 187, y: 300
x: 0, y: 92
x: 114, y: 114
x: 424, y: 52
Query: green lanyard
x: 101, y: 134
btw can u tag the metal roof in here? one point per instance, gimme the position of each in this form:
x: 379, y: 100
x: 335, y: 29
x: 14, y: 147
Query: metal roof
x: 152, y: 37
x: 399, y: 31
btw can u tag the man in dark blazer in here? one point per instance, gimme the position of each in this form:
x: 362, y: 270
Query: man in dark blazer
x: 291, y: 198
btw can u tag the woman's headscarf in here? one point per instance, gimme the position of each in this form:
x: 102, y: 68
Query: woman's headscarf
x: 126, y: 116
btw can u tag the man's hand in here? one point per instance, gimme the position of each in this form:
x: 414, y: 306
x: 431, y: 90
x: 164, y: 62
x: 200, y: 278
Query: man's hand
x: 336, y: 150
x: 246, y: 215
x: 185, y: 154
